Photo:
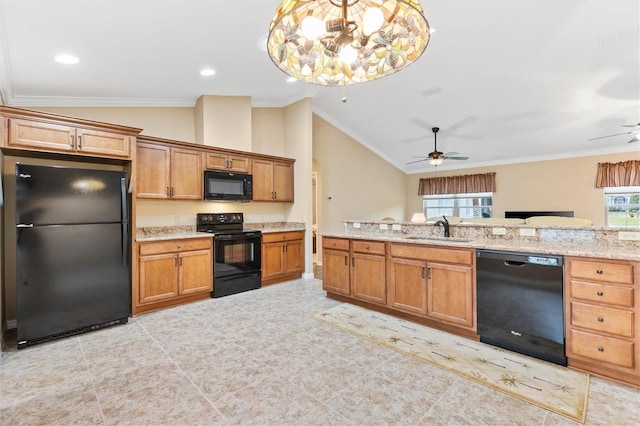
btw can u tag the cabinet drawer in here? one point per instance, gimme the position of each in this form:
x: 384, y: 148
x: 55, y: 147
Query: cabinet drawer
x: 602, y: 293
x: 274, y: 237
x: 621, y: 273
x: 435, y: 254
x: 373, y: 247
x: 335, y: 243
x: 605, y: 349
x: 175, y: 246
x: 599, y: 318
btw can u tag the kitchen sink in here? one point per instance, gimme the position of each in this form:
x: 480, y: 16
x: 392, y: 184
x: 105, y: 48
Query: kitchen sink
x: 444, y: 239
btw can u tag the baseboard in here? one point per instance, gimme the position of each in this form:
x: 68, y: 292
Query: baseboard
x: 11, y: 324
x: 308, y: 276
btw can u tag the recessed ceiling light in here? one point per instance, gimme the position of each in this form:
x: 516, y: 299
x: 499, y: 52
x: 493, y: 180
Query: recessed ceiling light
x: 291, y: 80
x: 207, y: 72
x: 66, y: 59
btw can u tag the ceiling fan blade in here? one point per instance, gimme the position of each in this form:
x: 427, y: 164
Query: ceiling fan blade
x: 451, y: 153
x: 464, y: 122
x: 417, y: 161
x: 609, y: 136
x: 634, y: 139
x: 421, y: 123
x: 467, y: 137
x: 631, y: 125
x: 456, y: 158
x: 419, y: 156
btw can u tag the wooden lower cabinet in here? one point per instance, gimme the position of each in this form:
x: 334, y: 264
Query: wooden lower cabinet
x: 173, y: 272
x: 602, y: 317
x: 282, y: 256
x: 435, y: 283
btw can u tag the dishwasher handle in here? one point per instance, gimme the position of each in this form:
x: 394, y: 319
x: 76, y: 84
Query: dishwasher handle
x: 513, y: 263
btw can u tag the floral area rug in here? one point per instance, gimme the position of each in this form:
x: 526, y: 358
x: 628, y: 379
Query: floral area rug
x: 550, y: 386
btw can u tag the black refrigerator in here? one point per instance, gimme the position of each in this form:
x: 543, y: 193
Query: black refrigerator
x: 72, y: 251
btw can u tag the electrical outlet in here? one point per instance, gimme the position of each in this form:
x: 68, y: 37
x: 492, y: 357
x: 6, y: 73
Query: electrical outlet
x: 356, y: 225
x: 528, y: 232
x: 384, y: 226
x: 396, y: 227
x: 629, y: 236
x: 499, y: 231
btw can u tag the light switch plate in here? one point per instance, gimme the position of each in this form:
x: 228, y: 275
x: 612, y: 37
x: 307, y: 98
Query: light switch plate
x: 384, y: 226
x: 528, y: 232
x: 396, y: 227
x: 356, y: 225
x: 629, y: 236
x: 499, y: 231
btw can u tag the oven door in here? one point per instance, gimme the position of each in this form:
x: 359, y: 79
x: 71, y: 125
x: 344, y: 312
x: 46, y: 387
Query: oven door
x: 236, y: 253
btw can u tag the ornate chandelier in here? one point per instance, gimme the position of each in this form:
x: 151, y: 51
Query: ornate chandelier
x: 340, y: 42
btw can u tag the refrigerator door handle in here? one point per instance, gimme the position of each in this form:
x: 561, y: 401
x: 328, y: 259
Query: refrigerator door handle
x: 125, y: 221
x: 123, y: 198
x: 125, y: 244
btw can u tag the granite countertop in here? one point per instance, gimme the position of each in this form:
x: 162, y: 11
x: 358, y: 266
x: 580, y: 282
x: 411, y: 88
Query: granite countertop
x: 161, y: 233
x: 580, y: 250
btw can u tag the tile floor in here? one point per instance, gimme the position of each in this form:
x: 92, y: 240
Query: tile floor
x: 257, y: 358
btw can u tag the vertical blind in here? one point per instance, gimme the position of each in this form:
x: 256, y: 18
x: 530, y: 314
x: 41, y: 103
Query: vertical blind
x: 626, y: 173
x: 464, y: 184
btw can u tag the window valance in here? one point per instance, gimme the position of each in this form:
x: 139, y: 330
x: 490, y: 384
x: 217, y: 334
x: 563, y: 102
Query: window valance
x: 626, y: 173
x: 464, y: 184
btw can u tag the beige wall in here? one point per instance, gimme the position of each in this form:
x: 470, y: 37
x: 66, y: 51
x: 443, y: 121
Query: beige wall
x: 267, y: 131
x: 354, y: 182
x: 224, y: 121
x: 567, y: 184
x: 170, y: 123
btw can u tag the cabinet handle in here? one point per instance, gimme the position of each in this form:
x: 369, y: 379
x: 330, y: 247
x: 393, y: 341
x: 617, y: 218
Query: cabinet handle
x: 79, y: 141
x: 366, y: 248
x: 173, y: 191
x: 175, y: 259
x: 168, y: 193
x: 180, y: 261
x: 230, y: 164
x: 600, y: 319
x: 424, y: 271
x: 600, y: 349
x: 285, y: 248
x: 599, y: 271
x: 346, y: 260
x: 179, y: 245
x: 600, y: 293
x: 353, y: 262
x: 275, y: 195
x: 70, y: 140
x: 429, y: 273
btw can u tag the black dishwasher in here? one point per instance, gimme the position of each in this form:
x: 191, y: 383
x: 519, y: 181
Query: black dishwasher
x: 520, y: 303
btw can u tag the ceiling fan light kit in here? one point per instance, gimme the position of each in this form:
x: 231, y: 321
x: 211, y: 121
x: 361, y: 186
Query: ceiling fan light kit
x: 341, y: 42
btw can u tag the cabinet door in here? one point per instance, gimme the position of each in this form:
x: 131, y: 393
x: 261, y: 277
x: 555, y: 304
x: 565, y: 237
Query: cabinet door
x: 216, y: 161
x: 186, y: 174
x: 158, y: 277
x: 272, y: 260
x: 262, y: 180
x: 283, y: 182
x: 239, y: 164
x: 26, y: 134
x: 152, y: 175
x: 293, y: 256
x: 369, y: 278
x: 103, y: 144
x: 196, y: 272
x: 335, y: 271
x: 450, y: 294
x: 408, y: 285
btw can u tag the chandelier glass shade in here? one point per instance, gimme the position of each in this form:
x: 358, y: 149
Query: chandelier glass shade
x: 340, y: 42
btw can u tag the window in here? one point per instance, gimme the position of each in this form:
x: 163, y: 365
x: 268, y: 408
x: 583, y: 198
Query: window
x: 622, y: 204
x: 461, y: 205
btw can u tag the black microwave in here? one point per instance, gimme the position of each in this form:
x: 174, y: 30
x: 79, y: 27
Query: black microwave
x: 225, y: 186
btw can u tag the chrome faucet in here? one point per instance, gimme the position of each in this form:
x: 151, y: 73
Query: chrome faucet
x: 445, y: 224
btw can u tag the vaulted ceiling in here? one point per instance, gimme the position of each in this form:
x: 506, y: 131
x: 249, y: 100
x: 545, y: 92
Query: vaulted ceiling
x: 505, y: 81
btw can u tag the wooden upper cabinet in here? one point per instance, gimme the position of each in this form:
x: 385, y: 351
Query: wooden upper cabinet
x: 58, y: 137
x: 272, y: 181
x: 186, y: 174
x: 227, y: 162
x: 164, y: 172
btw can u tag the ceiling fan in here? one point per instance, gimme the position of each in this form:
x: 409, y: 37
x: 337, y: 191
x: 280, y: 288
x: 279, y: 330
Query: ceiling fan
x: 635, y: 133
x: 436, y: 157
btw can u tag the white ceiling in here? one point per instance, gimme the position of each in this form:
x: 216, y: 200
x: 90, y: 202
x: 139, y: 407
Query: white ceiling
x: 506, y: 81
